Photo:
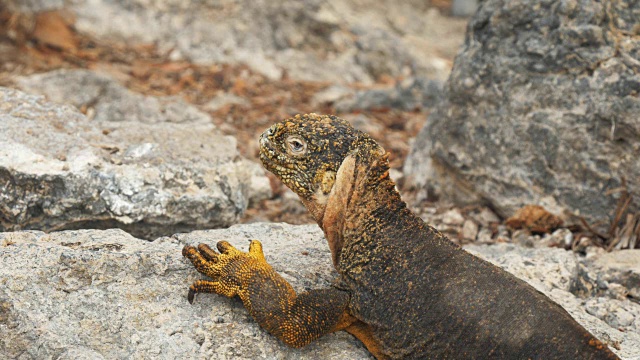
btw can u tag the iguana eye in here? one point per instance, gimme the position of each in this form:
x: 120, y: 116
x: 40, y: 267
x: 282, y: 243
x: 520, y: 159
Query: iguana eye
x: 297, y: 146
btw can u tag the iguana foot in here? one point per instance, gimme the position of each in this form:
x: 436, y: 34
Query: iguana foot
x: 229, y: 270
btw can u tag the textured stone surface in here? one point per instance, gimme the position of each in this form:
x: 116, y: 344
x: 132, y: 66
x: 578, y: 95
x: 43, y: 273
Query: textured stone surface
x: 151, y: 166
x: 620, y: 268
x: 326, y: 40
x: 106, y: 100
x: 463, y: 7
x: 32, y: 5
x: 541, y: 107
x: 411, y: 94
x: 104, y: 294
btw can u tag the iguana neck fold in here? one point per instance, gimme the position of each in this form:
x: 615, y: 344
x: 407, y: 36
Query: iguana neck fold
x: 361, y: 186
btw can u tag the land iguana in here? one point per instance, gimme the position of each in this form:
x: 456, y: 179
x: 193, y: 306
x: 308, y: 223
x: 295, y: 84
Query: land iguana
x: 405, y: 290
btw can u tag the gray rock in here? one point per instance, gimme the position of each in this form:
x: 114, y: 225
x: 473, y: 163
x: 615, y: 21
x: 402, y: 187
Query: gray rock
x: 545, y: 268
x: 453, y: 217
x: 106, y: 100
x: 624, y: 315
x: 93, y: 294
x: 469, y: 230
x: 331, y: 95
x: 463, y: 7
x: 337, y: 41
x: 561, y: 238
x: 104, y: 294
x: 618, y: 267
x: 611, y: 281
x: 154, y: 168
x: 32, y: 5
x: 541, y: 107
x: 410, y: 94
x: 225, y: 99
x: 364, y: 123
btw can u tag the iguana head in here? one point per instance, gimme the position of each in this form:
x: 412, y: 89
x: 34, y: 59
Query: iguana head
x: 306, y: 151
x: 325, y: 161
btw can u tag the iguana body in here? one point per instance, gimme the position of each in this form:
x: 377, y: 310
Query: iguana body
x: 405, y: 290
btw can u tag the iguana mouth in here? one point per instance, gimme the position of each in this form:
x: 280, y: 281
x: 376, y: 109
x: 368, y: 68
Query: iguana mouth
x: 268, y: 162
x: 267, y: 152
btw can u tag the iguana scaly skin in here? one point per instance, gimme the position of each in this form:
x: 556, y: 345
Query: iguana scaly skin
x: 405, y: 290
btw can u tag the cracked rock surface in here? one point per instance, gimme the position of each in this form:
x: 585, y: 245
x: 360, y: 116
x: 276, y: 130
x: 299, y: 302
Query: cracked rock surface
x: 105, y: 294
x: 541, y: 107
x: 150, y: 166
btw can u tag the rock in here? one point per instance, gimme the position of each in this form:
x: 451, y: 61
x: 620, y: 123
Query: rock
x: 453, y: 217
x: 331, y: 94
x: 32, y: 5
x: 225, y: 99
x: 524, y: 238
x: 561, y: 238
x: 150, y: 166
x: 107, y: 295
x: 619, y: 267
x: 410, y: 94
x: 547, y: 268
x: 540, y: 108
x: 618, y: 314
x: 486, y: 217
x: 502, y: 234
x: 340, y: 41
x: 463, y: 7
x: 555, y: 272
x: 106, y: 100
x: 484, y: 236
x: 364, y: 123
x: 469, y: 230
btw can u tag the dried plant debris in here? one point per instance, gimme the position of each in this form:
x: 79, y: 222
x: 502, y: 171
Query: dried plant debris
x: 534, y: 218
x: 623, y: 231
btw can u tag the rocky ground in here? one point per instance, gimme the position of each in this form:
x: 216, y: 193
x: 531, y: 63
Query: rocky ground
x: 239, y: 98
x: 105, y: 294
x: 115, y: 114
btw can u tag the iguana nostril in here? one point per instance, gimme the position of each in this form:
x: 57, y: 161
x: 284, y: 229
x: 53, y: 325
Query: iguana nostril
x: 264, y: 138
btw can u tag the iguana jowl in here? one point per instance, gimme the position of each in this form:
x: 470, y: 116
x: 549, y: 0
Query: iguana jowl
x: 405, y: 290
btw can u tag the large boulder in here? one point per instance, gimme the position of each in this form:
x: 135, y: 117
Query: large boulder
x: 105, y: 294
x: 541, y: 107
x: 150, y: 166
x: 320, y: 40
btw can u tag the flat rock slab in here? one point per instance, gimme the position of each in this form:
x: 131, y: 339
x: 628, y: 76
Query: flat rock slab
x: 541, y: 107
x: 105, y: 294
x: 151, y: 166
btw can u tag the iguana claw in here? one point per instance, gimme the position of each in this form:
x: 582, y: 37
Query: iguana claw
x: 229, y: 270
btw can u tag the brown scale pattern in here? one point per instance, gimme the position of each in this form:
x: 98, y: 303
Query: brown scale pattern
x: 405, y: 290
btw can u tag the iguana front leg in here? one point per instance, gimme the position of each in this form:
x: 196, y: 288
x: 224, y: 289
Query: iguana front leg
x: 295, y: 319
